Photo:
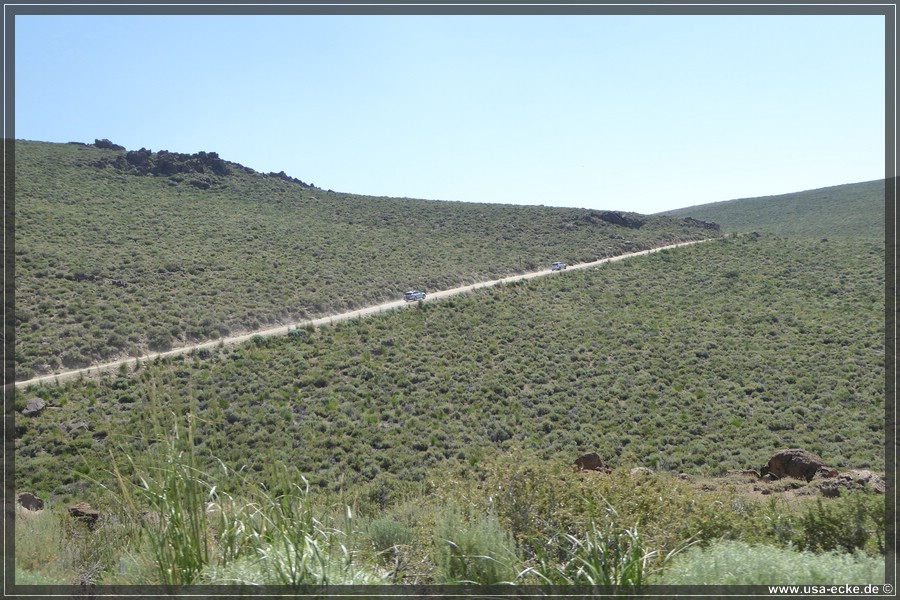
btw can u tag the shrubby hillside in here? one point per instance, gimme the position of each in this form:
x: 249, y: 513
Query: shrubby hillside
x: 120, y: 252
x: 701, y: 360
x: 850, y: 210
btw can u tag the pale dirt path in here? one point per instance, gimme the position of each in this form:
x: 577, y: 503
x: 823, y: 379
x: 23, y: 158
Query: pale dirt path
x: 285, y: 329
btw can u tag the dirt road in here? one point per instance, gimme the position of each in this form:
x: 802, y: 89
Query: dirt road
x: 285, y: 329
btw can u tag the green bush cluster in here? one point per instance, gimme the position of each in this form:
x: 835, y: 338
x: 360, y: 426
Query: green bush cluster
x: 473, y: 549
x: 850, y: 523
x: 388, y: 536
x: 739, y: 563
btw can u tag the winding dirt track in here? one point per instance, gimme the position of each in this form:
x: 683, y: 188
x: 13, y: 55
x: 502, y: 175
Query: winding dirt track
x: 285, y: 329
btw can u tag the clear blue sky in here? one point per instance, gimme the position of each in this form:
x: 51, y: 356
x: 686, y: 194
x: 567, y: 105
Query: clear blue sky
x: 636, y: 113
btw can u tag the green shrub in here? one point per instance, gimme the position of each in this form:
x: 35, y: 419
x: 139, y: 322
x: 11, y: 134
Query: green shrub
x: 739, y: 563
x: 474, y: 550
x: 847, y: 523
x: 539, y: 500
x: 386, y: 535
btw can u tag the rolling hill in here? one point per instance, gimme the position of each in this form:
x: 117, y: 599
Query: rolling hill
x: 850, y: 210
x: 457, y: 420
x: 118, y: 252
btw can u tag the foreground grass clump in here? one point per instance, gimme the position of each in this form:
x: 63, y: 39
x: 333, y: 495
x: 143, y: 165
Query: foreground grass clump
x: 53, y: 548
x: 198, y: 532
x: 740, y: 563
x: 606, y: 555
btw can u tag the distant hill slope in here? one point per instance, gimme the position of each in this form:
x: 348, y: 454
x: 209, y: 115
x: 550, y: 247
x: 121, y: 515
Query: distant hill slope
x: 120, y: 252
x: 851, y: 210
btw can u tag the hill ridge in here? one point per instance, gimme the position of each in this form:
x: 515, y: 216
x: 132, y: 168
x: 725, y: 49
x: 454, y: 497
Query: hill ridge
x: 845, y: 210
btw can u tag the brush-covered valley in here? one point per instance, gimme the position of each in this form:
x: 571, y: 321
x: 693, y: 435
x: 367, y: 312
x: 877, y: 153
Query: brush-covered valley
x: 436, y: 443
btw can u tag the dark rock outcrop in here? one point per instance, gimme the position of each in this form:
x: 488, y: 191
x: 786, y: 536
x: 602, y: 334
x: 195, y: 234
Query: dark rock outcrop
x: 702, y: 224
x: 591, y: 462
x: 163, y: 163
x: 798, y: 464
x: 621, y: 219
x: 105, y: 143
x: 286, y: 177
x: 30, y: 501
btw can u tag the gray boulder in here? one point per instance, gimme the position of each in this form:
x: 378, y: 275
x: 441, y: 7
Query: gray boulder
x: 34, y: 407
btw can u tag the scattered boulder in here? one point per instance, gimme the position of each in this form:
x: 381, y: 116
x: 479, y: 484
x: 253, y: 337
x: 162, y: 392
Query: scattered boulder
x: 83, y: 512
x: 798, y: 464
x: 34, y: 407
x: 856, y: 479
x: 591, y: 462
x: 641, y: 471
x: 30, y: 501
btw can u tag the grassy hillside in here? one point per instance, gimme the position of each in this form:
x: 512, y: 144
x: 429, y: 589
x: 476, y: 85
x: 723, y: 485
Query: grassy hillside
x: 851, y: 210
x: 701, y: 360
x: 119, y: 253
